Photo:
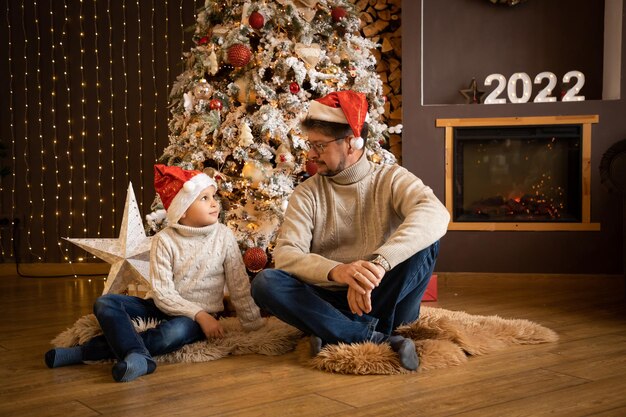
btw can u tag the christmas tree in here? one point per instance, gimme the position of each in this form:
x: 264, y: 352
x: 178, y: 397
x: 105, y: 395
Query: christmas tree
x: 236, y: 108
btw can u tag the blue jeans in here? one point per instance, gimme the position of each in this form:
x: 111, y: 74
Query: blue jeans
x: 115, y: 312
x: 325, y: 313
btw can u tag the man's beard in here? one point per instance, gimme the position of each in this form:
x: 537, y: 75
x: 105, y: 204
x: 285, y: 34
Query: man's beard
x: 340, y: 167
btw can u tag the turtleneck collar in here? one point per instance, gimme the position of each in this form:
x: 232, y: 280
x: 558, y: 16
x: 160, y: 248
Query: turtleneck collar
x: 354, y: 173
x: 193, y: 231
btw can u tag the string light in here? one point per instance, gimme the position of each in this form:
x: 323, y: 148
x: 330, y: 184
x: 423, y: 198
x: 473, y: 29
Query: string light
x: 53, y: 104
x: 40, y: 129
x: 167, y: 54
x: 140, y: 115
x: 70, y: 137
x: 83, y: 117
x: 124, y: 51
x: 27, y: 134
x: 11, y: 127
x: 182, y: 29
x: 98, y: 114
x: 111, y: 114
x: 154, y: 82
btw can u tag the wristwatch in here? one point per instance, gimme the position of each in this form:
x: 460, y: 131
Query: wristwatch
x: 380, y: 260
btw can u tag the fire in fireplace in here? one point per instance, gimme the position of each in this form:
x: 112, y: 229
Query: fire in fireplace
x: 518, y: 173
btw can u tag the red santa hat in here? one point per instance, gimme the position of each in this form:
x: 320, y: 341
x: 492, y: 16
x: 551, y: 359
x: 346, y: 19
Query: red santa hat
x: 347, y: 106
x: 178, y: 188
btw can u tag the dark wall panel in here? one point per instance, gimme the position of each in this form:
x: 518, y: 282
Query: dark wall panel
x: 423, y: 143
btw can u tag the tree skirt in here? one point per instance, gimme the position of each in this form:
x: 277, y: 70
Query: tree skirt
x: 442, y: 338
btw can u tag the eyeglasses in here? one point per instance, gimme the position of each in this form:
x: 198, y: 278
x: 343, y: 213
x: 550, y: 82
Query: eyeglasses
x: 320, y: 147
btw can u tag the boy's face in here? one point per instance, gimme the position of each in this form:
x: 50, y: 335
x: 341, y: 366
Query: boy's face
x: 204, y: 211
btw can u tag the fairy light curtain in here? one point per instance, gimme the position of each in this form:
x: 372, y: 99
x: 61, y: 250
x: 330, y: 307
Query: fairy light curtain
x: 83, y: 112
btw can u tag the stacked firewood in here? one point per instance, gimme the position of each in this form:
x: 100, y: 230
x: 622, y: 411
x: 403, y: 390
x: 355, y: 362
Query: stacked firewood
x: 381, y: 22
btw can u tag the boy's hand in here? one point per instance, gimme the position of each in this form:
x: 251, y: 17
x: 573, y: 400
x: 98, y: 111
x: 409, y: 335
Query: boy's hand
x: 209, y: 325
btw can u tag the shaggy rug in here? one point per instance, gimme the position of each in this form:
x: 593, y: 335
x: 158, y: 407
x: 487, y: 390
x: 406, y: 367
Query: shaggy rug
x: 442, y: 338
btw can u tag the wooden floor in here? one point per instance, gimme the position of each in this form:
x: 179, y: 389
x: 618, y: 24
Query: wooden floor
x: 583, y: 374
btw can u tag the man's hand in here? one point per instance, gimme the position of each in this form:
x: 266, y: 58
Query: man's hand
x: 359, y: 303
x: 209, y: 325
x: 360, y: 276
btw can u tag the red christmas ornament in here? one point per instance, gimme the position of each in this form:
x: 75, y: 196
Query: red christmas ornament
x: 311, y: 167
x: 338, y: 13
x: 294, y: 88
x: 239, y: 55
x: 256, y: 20
x: 255, y: 259
x: 203, y: 40
x: 215, y: 104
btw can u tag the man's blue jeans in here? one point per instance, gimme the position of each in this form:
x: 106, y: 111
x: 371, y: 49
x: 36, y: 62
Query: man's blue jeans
x: 325, y: 313
x: 115, y: 312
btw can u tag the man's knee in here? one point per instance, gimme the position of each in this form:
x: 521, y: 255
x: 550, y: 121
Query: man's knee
x: 426, y: 257
x: 258, y: 284
x: 264, y: 283
x: 269, y: 283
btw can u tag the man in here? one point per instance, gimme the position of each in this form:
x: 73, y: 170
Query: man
x: 359, y: 240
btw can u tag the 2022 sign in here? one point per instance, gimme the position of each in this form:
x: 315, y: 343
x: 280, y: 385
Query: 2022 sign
x: 543, y: 96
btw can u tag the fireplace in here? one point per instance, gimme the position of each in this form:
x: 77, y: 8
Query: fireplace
x: 519, y: 173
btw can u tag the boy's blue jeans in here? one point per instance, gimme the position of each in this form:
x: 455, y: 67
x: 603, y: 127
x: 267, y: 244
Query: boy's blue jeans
x: 115, y: 312
x: 325, y: 313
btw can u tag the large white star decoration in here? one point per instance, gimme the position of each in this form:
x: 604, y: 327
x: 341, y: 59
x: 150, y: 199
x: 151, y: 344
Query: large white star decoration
x: 129, y: 255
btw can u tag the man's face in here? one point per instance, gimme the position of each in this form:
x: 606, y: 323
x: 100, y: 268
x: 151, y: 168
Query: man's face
x: 328, y: 153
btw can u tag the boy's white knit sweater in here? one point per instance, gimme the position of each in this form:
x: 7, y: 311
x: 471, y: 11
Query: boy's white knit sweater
x: 189, y: 267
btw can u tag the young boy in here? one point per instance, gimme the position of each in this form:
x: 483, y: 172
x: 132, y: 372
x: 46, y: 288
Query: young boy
x: 190, y: 262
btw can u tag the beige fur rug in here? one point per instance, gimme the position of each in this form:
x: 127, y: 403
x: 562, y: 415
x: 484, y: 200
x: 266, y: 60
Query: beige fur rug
x: 442, y: 338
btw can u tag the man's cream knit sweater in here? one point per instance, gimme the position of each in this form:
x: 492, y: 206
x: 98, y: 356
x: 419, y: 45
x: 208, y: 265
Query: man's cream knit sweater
x: 364, y: 210
x: 189, y: 267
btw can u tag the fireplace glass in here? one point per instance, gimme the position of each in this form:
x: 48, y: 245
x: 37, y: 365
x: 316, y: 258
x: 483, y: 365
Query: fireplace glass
x: 517, y: 174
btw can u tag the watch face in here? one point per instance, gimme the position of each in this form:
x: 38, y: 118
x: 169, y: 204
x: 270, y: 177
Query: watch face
x: 379, y: 260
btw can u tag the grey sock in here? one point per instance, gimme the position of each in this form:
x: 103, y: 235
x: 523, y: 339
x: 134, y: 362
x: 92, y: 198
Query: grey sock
x: 315, y: 345
x: 132, y: 367
x: 63, y: 357
x: 406, y: 351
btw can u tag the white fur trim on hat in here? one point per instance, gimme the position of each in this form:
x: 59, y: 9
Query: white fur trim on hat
x: 187, y: 195
x: 319, y: 111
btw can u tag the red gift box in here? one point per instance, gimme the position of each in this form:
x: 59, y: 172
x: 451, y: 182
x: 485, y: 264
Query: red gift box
x: 431, y: 289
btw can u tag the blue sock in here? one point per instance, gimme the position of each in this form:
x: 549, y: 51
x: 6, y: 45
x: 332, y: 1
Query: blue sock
x: 405, y: 348
x: 133, y: 366
x: 63, y: 357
